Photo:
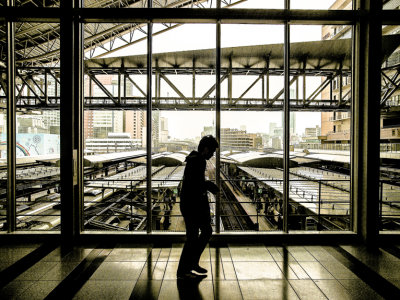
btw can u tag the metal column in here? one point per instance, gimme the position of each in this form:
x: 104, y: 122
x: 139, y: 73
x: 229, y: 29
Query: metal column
x: 365, y: 150
x: 218, y: 122
x: 286, y: 119
x: 149, y: 122
x: 71, y: 115
x: 11, y: 126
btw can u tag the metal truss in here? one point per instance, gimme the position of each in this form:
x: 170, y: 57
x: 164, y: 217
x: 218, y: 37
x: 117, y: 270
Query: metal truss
x: 38, y: 88
x: 34, y: 91
x: 38, y: 44
x: 390, y: 84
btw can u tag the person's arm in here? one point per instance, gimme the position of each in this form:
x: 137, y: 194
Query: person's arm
x: 212, y: 187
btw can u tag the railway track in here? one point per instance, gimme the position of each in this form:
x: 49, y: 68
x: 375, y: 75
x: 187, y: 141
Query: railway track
x: 233, y: 216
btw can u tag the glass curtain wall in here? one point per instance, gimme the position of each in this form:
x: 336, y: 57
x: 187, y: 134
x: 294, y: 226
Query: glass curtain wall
x: 184, y: 95
x: 320, y: 123
x: 123, y: 98
x: 389, y: 195
x: 251, y: 127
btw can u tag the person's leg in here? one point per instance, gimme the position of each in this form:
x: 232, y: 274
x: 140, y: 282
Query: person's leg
x: 205, y: 235
x: 189, y: 251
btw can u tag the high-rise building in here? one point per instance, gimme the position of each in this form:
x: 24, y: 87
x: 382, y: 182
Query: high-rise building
x: 336, y: 126
x: 51, y: 119
x: 135, y: 120
x: 163, y: 130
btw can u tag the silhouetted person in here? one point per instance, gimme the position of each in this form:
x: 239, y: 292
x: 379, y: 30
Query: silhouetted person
x: 195, y: 208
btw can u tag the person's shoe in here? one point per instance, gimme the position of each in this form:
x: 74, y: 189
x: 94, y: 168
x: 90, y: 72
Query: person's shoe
x: 190, y: 276
x: 199, y: 269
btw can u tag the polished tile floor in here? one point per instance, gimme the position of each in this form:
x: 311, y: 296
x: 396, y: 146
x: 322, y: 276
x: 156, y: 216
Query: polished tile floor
x: 257, y: 271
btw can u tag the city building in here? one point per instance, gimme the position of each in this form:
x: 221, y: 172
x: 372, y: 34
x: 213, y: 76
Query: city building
x: 115, y: 142
x: 235, y: 139
x: 135, y: 120
x: 336, y: 125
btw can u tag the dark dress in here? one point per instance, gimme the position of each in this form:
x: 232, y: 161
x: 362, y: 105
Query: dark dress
x: 195, y: 210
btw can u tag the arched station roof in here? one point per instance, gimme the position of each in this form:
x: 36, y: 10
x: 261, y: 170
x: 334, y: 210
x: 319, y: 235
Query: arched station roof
x: 169, y: 159
x: 258, y: 160
x: 100, y: 160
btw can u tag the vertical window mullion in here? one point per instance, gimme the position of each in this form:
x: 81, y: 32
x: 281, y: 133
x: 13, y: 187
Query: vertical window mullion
x: 11, y: 125
x: 149, y: 122
x: 218, y: 125
x: 286, y: 121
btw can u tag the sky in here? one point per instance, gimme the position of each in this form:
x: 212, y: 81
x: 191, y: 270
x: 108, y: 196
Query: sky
x: 186, y: 124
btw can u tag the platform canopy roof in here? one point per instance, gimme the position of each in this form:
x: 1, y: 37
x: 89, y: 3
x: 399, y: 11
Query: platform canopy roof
x: 314, y: 55
x: 38, y: 43
x: 169, y: 159
x: 257, y: 159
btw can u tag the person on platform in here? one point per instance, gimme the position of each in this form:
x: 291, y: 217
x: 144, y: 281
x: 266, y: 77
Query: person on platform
x: 195, y: 208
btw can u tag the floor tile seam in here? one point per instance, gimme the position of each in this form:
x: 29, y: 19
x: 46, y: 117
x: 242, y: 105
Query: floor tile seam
x: 290, y: 269
x: 25, y: 263
x: 294, y: 290
x: 317, y: 286
x: 77, y: 274
x: 316, y: 278
x: 233, y: 265
x: 326, y: 296
x: 137, y: 281
x: 155, y: 265
x: 21, y: 291
x: 220, y: 262
x: 366, y: 274
x: 40, y: 278
x: 147, y: 262
x: 327, y: 270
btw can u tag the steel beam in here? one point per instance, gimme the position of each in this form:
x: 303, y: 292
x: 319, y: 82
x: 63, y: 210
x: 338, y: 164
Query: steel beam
x: 208, y: 93
x: 174, y: 88
x: 319, y: 89
x: 194, y: 81
x: 136, y: 86
x: 365, y: 149
x: 282, y: 91
x: 26, y: 83
x: 103, y: 88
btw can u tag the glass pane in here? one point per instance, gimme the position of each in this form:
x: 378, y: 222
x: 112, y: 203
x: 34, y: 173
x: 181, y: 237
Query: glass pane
x: 114, y: 146
x: 183, y: 112
x: 37, y: 126
x: 117, y: 4
x: 251, y: 127
x: 390, y: 130
x: 322, y: 4
x: 391, y: 4
x: 115, y: 133
x: 320, y: 122
x: 3, y: 130
x: 34, y: 4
